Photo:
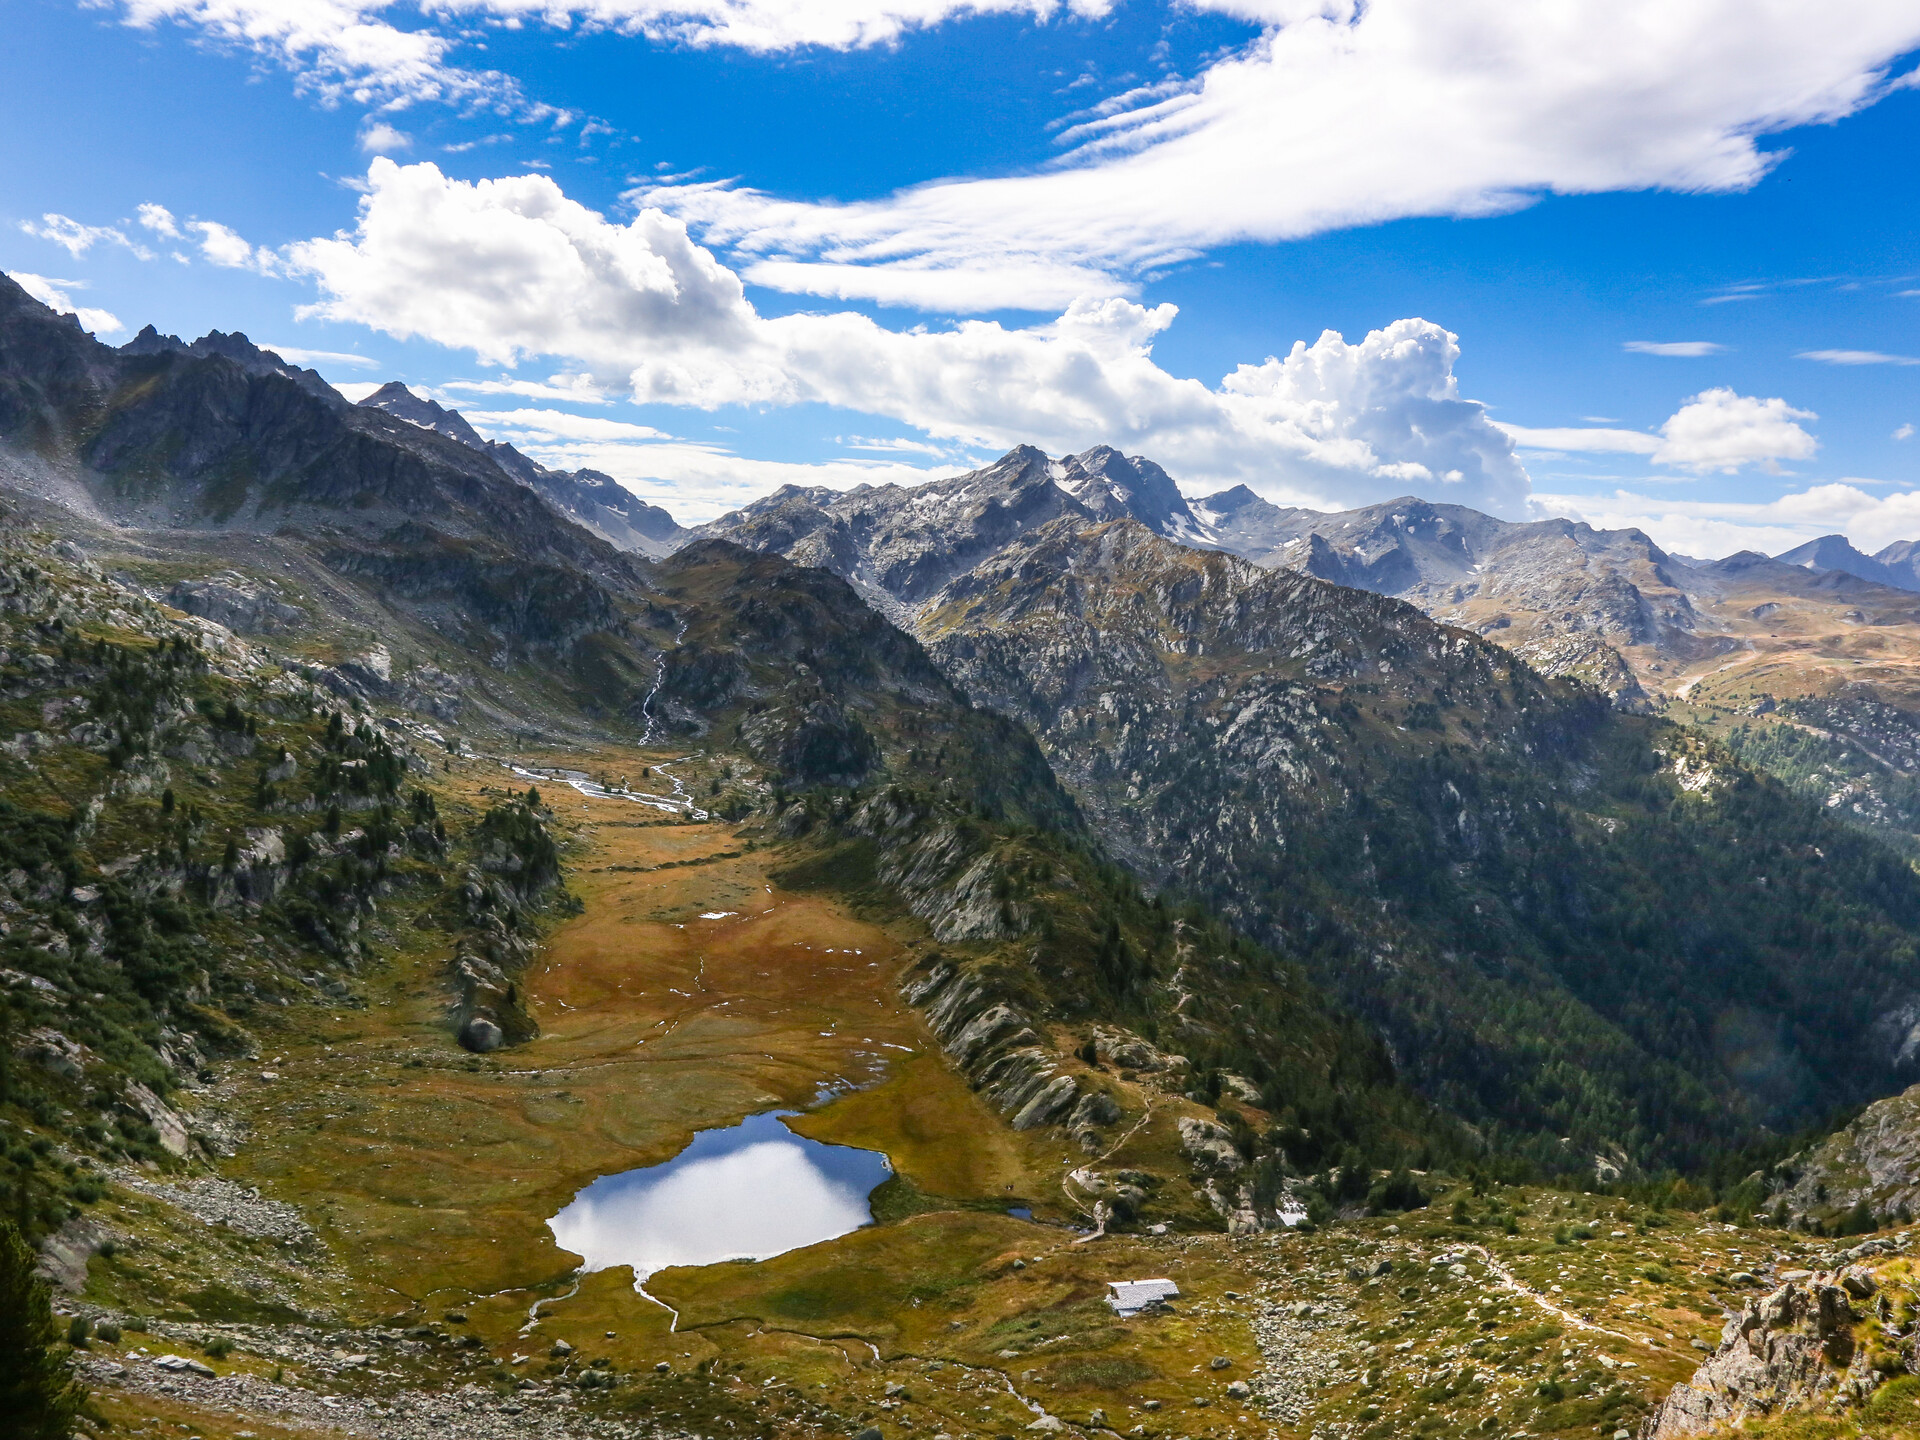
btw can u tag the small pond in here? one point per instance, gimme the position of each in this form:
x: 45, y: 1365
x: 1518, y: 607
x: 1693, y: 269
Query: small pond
x: 748, y: 1192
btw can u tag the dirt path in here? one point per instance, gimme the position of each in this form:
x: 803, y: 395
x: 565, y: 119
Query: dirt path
x: 1681, y: 690
x: 1508, y: 1281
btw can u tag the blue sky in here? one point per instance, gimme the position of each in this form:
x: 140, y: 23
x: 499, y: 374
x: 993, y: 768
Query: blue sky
x: 712, y: 246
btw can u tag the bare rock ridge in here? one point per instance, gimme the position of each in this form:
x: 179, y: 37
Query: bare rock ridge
x: 1893, y: 566
x: 1608, y: 607
x: 595, y: 500
x: 237, y: 348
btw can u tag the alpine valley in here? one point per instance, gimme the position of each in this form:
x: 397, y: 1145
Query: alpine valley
x: 1476, y: 963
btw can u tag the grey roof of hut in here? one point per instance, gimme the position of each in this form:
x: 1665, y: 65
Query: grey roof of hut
x: 1130, y: 1297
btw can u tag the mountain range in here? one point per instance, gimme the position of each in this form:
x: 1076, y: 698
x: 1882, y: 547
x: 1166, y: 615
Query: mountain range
x: 1607, y: 607
x: 1145, y: 861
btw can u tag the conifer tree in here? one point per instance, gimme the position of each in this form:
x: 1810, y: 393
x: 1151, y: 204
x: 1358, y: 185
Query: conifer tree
x: 38, y: 1395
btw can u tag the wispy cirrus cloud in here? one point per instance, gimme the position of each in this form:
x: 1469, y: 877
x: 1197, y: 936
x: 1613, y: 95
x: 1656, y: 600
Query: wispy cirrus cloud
x: 354, y: 52
x: 1856, y: 357
x: 77, y: 239
x: 300, y: 355
x: 1673, y: 349
x: 576, y: 389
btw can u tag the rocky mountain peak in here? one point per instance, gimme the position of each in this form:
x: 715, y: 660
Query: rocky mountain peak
x: 1231, y: 501
x: 1112, y: 485
x: 591, y: 497
x: 396, y: 399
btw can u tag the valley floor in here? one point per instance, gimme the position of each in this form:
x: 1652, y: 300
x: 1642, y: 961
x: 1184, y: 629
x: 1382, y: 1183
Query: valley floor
x: 366, y: 1262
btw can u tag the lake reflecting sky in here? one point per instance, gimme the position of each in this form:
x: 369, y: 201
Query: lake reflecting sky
x: 750, y: 1191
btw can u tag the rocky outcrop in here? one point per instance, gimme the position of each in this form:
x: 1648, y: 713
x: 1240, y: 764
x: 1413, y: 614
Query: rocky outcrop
x: 517, y: 874
x: 236, y: 602
x: 1794, y: 1349
x: 65, y: 1253
x: 935, y: 871
x: 1210, y: 1144
x: 994, y: 1045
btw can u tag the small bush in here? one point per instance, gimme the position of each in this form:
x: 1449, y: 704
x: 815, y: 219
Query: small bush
x: 1398, y: 1192
x: 108, y: 1331
x: 78, y: 1329
x: 219, y: 1347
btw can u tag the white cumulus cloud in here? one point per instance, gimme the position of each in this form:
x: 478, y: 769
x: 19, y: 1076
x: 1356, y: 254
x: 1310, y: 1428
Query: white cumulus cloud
x: 380, y: 138
x: 160, y: 221
x: 223, y: 246
x: 1715, y: 430
x: 512, y: 268
x: 1721, y: 430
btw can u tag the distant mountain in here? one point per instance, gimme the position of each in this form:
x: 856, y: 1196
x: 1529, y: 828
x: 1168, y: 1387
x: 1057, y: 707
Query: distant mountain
x: 596, y: 500
x: 1568, y: 597
x: 1836, y: 552
x: 1563, y: 594
x: 898, y: 544
x: 397, y: 399
x: 1902, y: 558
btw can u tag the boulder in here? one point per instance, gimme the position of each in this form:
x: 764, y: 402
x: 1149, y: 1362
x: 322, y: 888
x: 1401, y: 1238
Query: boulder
x: 181, y: 1365
x: 481, y: 1035
x: 64, y: 1254
x: 1208, y: 1143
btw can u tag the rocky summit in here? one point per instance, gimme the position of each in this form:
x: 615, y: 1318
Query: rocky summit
x: 402, y: 843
